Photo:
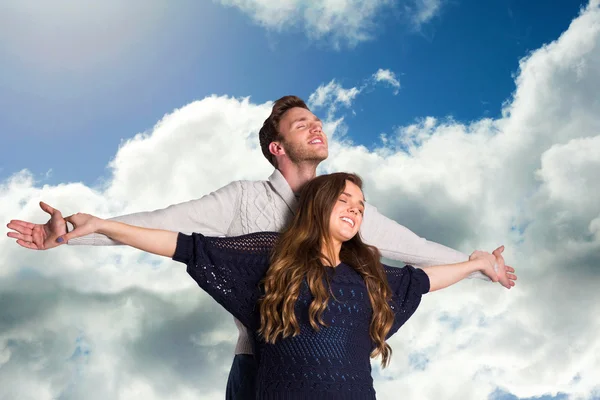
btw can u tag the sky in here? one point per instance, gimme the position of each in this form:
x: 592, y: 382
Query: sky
x: 473, y: 124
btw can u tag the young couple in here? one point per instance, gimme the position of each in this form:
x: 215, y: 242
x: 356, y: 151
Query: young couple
x: 313, y: 303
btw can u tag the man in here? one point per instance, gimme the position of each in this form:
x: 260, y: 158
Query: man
x: 293, y: 141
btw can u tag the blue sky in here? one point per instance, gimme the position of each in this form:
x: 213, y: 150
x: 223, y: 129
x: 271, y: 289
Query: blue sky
x: 492, y: 138
x: 68, y: 112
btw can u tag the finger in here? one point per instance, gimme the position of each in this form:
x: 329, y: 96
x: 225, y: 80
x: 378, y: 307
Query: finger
x: 19, y: 225
x: 512, y: 277
x: 508, y: 268
x: 499, y: 250
x: 20, y: 236
x: 27, y: 245
x: 49, y: 209
x: 64, y: 239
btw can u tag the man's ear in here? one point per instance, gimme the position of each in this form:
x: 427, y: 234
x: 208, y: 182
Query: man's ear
x: 276, y: 149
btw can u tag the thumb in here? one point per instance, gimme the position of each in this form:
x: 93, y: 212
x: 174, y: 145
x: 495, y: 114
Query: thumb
x: 499, y: 250
x: 47, y: 208
x: 64, y: 239
x: 67, y: 236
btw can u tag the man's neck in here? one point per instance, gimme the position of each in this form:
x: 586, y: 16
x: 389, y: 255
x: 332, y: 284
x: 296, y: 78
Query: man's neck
x: 297, y: 175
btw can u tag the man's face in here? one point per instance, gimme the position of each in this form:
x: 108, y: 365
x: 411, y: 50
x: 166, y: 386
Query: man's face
x: 302, y: 136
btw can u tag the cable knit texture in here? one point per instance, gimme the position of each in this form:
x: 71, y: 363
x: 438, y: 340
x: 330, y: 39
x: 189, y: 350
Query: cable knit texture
x: 332, y: 363
x: 260, y: 209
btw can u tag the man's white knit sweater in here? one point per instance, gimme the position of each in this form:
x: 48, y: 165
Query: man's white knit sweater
x: 244, y: 207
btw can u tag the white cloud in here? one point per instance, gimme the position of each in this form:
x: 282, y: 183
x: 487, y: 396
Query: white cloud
x: 202, y: 130
x: 344, y: 22
x: 330, y: 96
x: 423, y: 11
x: 527, y: 179
x: 387, y: 76
x: 568, y: 173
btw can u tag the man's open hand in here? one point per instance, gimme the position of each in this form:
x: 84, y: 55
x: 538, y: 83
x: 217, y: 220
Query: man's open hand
x: 38, y: 236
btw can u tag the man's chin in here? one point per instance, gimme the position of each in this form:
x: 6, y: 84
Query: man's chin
x: 320, y: 157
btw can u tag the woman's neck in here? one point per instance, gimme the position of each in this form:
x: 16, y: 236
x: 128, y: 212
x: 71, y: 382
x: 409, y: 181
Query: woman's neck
x: 332, y: 255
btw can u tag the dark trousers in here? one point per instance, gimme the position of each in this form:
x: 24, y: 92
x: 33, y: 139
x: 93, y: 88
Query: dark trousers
x: 242, y: 378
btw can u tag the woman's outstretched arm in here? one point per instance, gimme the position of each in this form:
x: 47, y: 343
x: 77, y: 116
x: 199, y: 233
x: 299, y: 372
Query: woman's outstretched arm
x: 442, y: 276
x: 229, y: 269
x: 408, y: 283
x: 153, y: 241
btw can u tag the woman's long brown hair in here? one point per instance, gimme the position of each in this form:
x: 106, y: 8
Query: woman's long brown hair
x: 298, y: 255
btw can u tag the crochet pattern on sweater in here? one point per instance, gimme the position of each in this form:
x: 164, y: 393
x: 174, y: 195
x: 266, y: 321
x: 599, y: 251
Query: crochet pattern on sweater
x: 331, y: 363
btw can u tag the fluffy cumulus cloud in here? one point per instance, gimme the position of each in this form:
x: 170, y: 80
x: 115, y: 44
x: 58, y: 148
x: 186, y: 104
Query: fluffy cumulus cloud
x: 343, y: 22
x: 114, y: 323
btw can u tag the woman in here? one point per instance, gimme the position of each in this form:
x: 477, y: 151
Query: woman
x: 318, y: 299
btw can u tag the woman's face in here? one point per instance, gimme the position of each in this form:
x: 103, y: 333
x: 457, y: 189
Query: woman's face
x: 347, y: 214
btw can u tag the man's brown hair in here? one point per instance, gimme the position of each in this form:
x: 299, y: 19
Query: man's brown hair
x: 270, y: 129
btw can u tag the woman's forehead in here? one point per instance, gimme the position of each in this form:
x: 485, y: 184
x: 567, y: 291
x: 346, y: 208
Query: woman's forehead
x: 353, y: 190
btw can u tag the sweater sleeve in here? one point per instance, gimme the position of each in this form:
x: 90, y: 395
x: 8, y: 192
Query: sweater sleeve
x: 210, y: 215
x: 229, y: 269
x: 408, y: 285
x: 397, y: 242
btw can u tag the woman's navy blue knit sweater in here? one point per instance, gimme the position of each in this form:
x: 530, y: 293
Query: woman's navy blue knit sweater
x: 332, y: 363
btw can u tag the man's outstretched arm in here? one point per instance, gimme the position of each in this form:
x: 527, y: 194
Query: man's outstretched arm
x: 397, y: 242
x: 211, y: 215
